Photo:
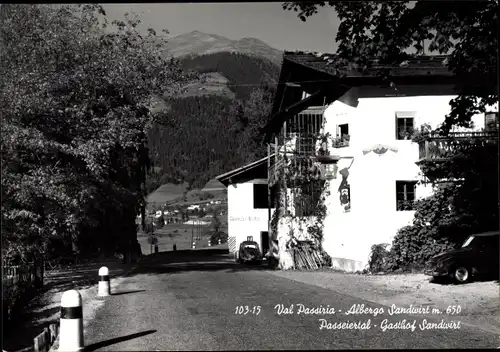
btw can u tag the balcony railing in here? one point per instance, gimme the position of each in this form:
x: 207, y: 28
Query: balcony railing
x: 436, y: 147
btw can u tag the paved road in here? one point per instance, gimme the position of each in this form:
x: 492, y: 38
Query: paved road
x: 187, y: 301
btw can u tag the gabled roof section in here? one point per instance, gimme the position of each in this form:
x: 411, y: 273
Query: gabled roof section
x: 423, y: 65
x: 318, y: 75
x: 241, y: 171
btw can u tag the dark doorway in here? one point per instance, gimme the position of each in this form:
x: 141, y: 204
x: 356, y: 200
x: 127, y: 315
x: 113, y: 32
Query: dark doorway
x: 264, y: 240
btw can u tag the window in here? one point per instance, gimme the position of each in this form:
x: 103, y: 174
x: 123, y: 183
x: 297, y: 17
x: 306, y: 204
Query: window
x: 260, y: 200
x: 343, y: 130
x: 405, y: 195
x: 404, y: 125
x: 487, y: 242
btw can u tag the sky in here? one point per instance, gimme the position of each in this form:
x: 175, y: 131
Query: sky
x: 266, y: 21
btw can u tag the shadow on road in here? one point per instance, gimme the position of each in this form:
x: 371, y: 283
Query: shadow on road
x: 126, y: 292
x: 193, y: 260
x: 110, y: 342
x: 81, y: 276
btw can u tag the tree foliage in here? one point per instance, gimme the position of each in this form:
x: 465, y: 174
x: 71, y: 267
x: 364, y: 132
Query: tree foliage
x: 76, y: 106
x: 467, y: 203
x: 390, y: 30
x: 245, y: 73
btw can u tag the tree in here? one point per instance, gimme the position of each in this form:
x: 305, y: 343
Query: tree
x: 216, y: 223
x: 466, y: 30
x: 76, y: 105
x: 160, y: 222
x: 256, y: 111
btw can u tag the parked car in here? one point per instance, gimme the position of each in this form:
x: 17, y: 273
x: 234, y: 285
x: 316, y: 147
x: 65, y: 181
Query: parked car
x: 478, y: 256
x: 249, y: 252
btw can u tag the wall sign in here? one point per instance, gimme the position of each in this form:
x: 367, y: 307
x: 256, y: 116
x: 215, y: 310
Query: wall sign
x: 379, y: 149
x: 244, y: 218
x: 345, y: 191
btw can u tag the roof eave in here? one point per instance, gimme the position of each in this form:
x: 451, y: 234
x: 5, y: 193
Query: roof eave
x: 224, y: 178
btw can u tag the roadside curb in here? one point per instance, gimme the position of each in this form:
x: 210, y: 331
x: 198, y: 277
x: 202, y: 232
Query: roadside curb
x: 55, y: 345
x: 43, y: 341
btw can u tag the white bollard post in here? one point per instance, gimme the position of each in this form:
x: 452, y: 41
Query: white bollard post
x: 104, y: 288
x: 71, y: 323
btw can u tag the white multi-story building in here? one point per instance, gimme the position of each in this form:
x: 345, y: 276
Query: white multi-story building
x: 370, y: 187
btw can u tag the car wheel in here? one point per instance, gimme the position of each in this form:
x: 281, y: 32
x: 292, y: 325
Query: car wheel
x: 461, y: 274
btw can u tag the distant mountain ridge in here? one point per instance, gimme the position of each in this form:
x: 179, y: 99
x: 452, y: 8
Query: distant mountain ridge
x: 199, y: 43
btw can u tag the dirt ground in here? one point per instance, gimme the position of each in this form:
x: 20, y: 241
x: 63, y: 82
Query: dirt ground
x: 44, y: 309
x: 479, y: 302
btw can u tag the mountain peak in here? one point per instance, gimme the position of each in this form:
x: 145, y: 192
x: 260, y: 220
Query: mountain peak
x: 201, y: 43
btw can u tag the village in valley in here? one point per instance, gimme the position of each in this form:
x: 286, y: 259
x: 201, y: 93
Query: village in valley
x: 198, y: 191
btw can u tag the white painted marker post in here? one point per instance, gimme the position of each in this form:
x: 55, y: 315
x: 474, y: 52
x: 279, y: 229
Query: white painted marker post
x: 104, y: 288
x: 71, y: 323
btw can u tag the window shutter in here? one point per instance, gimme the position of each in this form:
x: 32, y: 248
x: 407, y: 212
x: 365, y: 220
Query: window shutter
x: 396, y: 125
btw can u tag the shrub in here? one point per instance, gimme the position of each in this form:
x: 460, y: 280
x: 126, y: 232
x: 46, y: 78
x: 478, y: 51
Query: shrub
x: 378, y: 258
x: 10, y: 299
x: 216, y: 235
x: 413, y: 246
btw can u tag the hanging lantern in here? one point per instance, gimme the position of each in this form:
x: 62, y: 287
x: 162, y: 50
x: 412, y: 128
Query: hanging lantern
x: 328, y: 166
x: 331, y: 171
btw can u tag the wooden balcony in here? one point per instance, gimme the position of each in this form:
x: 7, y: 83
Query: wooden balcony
x: 434, y: 147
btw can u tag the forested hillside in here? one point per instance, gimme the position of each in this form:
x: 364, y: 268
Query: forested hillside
x: 245, y: 73
x: 209, y: 135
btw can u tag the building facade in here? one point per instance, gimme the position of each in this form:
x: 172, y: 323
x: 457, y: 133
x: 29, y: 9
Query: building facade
x: 248, y: 205
x: 372, y: 179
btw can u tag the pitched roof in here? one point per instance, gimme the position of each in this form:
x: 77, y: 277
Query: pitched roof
x: 422, y: 65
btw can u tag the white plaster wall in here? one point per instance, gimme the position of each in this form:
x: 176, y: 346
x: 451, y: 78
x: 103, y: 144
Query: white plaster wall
x: 243, y: 219
x: 373, y: 217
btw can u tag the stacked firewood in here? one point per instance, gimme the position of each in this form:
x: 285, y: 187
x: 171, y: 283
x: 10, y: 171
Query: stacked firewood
x: 306, y: 257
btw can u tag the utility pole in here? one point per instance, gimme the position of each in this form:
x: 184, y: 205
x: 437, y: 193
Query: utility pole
x: 192, y: 233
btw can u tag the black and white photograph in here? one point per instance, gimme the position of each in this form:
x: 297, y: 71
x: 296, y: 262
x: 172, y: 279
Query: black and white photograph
x: 315, y: 175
